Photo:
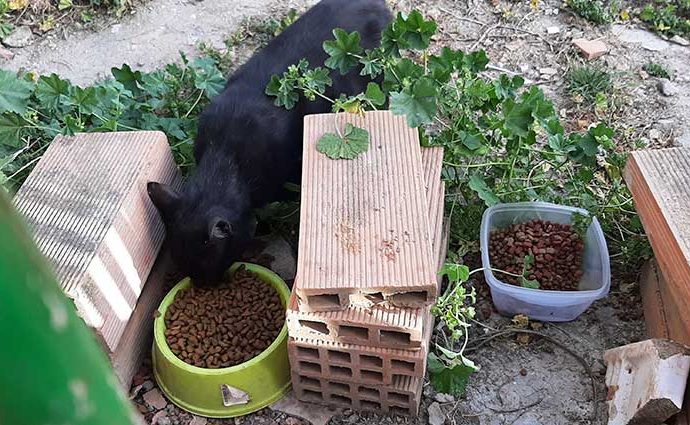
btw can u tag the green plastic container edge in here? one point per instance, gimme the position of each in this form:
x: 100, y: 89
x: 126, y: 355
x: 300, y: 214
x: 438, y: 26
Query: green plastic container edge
x: 159, y: 339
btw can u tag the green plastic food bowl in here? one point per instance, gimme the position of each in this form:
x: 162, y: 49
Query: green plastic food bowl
x: 228, y: 392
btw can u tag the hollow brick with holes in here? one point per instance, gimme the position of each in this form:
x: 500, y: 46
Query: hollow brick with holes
x: 378, y: 325
x: 359, y: 376
x: 389, y: 236
x: 87, y: 206
x: 400, y: 397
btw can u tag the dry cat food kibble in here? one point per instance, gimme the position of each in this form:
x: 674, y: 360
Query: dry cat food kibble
x: 546, y: 255
x: 224, y: 326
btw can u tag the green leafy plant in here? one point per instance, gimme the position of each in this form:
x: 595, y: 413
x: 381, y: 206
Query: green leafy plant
x: 503, y: 142
x: 668, y: 17
x: 354, y: 141
x: 588, y: 82
x: 34, y: 109
x: 449, y: 369
x: 525, y: 281
x: 37, y: 108
x: 276, y: 26
x: 596, y: 11
x: 581, y: 223
x: 656, y: 70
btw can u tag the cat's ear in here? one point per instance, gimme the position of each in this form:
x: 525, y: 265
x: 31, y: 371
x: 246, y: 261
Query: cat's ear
x: 165, y: 198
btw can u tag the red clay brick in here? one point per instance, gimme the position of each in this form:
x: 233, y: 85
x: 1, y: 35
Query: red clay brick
x: 87, y: 206
x: 400, y: 397
x: 378, y: 325
x: 136, y: 339
x: 363, y: 377
x: 376, y: 239
x: 370, y: 365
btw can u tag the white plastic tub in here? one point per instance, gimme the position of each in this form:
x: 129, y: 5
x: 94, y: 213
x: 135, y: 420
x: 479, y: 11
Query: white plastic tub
x: 542, y: 305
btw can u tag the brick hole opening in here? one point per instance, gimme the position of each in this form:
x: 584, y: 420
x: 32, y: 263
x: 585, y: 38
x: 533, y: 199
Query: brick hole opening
x: 310, y: 367
x: 314, y: 327
x: 394, y: 337
x: 371, y: 405
x: 399, y: 397
x: 313, y: 396
x: 323, y: 301
x: 339, y: 356
x: 371, y: 375
x: 375, y: 298
x: 305, y: 380
x: 370, y: 361
x: 341, y: 372
x: 337, y: 386
x: 309, y: 353
x: 354, y: 332
x: 341, y: 399
x: 410, y: 298
x: 368, y: 392
x: 401, y: 365
x: 395, y: 410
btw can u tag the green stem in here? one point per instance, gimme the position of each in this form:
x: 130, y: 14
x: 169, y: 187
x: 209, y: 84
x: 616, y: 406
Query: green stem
x: 37, y: 112
x: 484, y: 164
x: 522, y: 190
x: 24, y: 167
x: 494, y: 270
x: 198, y: 99
x: 443, y: 123
x: 323, y: 96
x: 126, y: 127
x: 535, y: 150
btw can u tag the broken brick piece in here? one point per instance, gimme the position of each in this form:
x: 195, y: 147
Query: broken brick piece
x: 87, y: 205
x: 591, y: 49
x: 646, y: 381
x: 6, y: 54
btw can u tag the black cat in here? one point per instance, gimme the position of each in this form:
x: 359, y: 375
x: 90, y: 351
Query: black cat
x: 247, y: 148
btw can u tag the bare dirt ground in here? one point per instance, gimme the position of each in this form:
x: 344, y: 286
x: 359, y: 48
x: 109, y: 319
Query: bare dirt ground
x: 520, y: 382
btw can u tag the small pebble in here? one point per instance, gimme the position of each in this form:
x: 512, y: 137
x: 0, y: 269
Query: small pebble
x: 436, y: 415
x: 444, y: 398
x: 667, y: 88
x: 548, y: 71
x: 198, y: 420
x: 155, y: 399
x: 680, y: 40
x: 6, y: 54
x: 161, y: 418
x: 523, y: 372
x: 20, y: 37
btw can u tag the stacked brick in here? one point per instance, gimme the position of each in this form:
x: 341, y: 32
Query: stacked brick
x: 87, y: 206
x: 372, y: 238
